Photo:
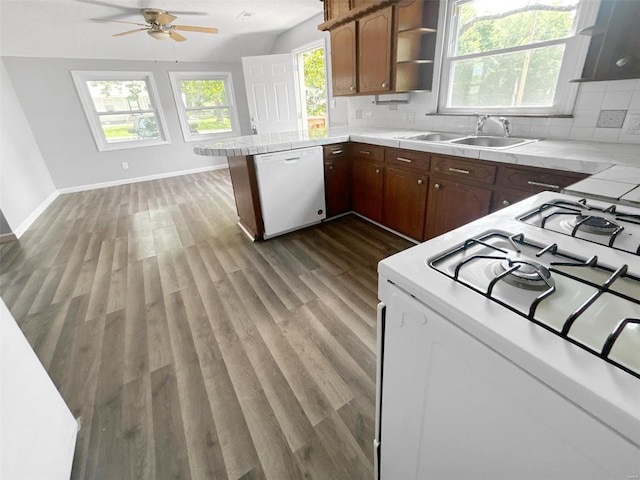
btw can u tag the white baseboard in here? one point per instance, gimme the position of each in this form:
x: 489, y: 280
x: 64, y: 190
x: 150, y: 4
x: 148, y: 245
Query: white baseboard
x: 115, y: 183
x: 35, y: 214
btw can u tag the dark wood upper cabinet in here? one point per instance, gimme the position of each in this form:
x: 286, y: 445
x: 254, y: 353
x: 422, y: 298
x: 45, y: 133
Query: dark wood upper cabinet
x: 614, y: 51
x: 394, y: 45
x: 343, y: 59
x: 374, y: 52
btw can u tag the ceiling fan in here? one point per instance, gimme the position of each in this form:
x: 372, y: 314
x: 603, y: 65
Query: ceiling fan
x: 158, y: 25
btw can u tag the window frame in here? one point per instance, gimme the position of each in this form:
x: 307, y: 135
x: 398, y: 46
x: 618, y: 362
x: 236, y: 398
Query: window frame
x: 576, y: 47
x: 176, y: 76
x: 80, y: 79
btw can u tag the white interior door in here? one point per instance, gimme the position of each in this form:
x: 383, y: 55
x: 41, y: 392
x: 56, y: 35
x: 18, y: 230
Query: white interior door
x: 271, y: 93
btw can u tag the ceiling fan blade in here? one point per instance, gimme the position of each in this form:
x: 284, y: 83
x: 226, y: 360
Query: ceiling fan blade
x: 116, y: 21
x: 189, y: 28
x: 165, y: 19
x: 129, y: 32
x: 176, y: 36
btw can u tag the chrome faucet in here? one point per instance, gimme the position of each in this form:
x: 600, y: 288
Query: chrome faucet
x: 503, y: 121
x: 480, y: 119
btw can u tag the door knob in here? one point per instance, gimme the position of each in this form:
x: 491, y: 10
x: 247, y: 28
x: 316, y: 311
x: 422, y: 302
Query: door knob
x: 506, y: 203
x: 330, y: 167
x: 377, y: 170
x: 384, y: 85
x: 437, y: 186
x: 420, y: 182
x: 352, y: 89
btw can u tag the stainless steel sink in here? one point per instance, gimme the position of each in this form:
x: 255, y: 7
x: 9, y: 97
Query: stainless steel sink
x: 435, y: 137
x: 486, y: 141
x: 493, y: 142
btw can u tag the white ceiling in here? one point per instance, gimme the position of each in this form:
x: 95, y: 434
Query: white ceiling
x: 64, y: 29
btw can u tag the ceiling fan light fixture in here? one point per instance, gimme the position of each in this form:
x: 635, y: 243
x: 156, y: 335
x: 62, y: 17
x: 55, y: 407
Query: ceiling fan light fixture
x: 159, y: 34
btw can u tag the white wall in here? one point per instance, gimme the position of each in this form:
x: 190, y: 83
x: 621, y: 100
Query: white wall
x: 26, y: 187
x: 303, y: 34
x: 593, y: 97
x: 51, y: 104
x: 37, y: 430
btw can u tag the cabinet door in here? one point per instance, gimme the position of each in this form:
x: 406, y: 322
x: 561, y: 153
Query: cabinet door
x: 366, y: 189
x: 505, y: 199
x: 452, y: 204
x: 343, y: 59
x: 336, y: 184
x: 374, y: 47
x: 405, y: 202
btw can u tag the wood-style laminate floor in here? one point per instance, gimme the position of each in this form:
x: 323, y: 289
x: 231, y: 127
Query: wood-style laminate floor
x: 186, y: 350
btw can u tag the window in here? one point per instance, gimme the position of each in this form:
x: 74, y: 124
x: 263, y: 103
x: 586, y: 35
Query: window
x: 312, y: 85
x: 122, y: 109
x: 206, y: 105
x: 513, y: 57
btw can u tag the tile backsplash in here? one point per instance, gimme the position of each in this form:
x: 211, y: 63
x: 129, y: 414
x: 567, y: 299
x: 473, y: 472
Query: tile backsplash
x: 604, y: 111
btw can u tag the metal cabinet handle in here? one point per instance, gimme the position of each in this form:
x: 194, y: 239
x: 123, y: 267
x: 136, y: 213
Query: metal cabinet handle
x: 408, y: 160
x: 622, y: 62
x: 437, y: 186
x: 352, y: 89
x: 459, y: 170
x: 336, y: 152
x: 506, y: 203
x: 420, y: 182
x: 364, y: 152
x: 545, y: 185
x: 377, y: 170
x: 384, y: 85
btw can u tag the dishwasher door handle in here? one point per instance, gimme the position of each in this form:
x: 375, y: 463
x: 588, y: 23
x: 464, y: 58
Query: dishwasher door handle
x: 291, y: 160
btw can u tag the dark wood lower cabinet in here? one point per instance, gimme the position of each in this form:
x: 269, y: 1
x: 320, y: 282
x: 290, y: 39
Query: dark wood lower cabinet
x: 505, y: 199
x: 405, y: 201
x: 366, y: 188
x: 451, y: 205
x: 336, y: 182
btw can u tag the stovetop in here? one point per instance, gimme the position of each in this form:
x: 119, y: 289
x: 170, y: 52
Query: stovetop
x: 592, y: 305
x: 605, y: 224
x: 575, y: 324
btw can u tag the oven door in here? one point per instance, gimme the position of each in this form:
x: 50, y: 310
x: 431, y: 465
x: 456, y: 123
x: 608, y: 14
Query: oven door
x: 453, y: 407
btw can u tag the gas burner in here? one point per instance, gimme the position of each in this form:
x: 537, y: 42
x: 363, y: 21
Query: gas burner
x: 596, y: 225
x: 525, y: 273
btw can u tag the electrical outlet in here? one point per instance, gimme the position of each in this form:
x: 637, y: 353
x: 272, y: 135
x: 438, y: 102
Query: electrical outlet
x: 125, y: 165
x: 632, y: 123
x: 332, y: 103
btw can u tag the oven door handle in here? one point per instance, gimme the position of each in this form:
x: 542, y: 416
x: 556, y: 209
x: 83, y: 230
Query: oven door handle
x: 381, y: 319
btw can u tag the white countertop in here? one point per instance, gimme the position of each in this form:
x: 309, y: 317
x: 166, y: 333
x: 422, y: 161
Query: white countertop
x: 615, y: 167
x: 569, y: 155
x: 619, y: 183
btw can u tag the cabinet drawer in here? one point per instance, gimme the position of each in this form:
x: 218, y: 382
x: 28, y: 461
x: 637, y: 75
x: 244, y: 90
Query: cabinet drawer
x: 335, y: 152
x: 367, y: 152
x: 536, y: 180
x: 407, y: 159
x: 460, y: 168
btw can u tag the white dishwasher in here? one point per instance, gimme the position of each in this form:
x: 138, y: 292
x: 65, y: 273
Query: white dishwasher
x: 291, y: 189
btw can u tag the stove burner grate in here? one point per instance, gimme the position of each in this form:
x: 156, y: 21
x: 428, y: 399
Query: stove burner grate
x: 533, y: 273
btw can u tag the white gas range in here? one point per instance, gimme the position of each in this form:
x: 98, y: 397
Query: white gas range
x: 510, y: 348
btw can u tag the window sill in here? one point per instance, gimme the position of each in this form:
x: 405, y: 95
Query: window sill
x: 516, y: 115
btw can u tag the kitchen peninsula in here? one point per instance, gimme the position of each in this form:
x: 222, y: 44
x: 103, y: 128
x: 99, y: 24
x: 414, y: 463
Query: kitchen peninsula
x: 409, y: 185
